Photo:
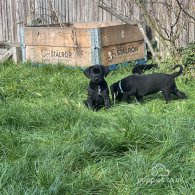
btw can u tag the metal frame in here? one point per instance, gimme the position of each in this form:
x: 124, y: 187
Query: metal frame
x: 22, y: 43
x: 96, y: 46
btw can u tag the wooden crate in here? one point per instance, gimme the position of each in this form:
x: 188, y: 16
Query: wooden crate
x: 82, y: 44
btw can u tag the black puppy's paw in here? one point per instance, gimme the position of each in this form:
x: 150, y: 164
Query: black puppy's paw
x: 184, y: 96
x: 107, y: 107
x: 85, y: 103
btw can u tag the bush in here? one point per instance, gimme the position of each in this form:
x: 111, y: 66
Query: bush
x: 188, y: 55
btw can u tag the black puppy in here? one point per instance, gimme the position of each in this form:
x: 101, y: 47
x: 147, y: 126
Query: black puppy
x: 139, y: 69
x: 142, y: 85
x: 98, y: 92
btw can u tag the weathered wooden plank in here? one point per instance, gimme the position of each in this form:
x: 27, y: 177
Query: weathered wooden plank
x: 94, y: 24
x: 72, y: 13
x: 1, y: 22
x: 79, y: 11
x: 90, y: 11
x: 99, y: 17
x: 119, y: 34
x: 48, y: 18
x: 104, y: 15
x: 21, y: 11
x: 43, y: 13
x: 61, y: 11
x: 122, y: 53
x: 192, y: 25
x: 25, y: 11
x: 16, y: 54
x: 10, y: 21
x: 4, y: 18
x: 79, y: 18
x: 36, y: 8
x: 6, y: 56
x: 53, y: 55
x: 76, y: 11
x: 53, y: 36
x: 17, y: 19
x: 67, y: 12
x: 14, y: 25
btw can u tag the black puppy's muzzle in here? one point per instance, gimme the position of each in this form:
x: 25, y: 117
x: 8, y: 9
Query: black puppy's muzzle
x: 97, y: 78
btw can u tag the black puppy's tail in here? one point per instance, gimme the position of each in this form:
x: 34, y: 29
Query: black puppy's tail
x: 176, y: 74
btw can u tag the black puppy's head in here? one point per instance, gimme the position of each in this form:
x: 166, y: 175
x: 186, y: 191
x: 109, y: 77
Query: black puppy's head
x: 96, y: 73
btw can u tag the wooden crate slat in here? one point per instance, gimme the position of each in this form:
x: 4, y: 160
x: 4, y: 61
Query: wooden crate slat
x: 56, y: 37
x: 123, y: 53
x: 54, y: 55
x: 94, y: 24
x: 119, y: 34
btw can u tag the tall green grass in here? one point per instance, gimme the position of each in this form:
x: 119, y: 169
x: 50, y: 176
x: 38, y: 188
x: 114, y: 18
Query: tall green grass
x: 51, y: 144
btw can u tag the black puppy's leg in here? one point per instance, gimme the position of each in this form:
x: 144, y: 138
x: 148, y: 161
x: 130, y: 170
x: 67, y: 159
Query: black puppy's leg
x: 106, y: 101
x: 90, y: 102
x: 139, y: 98
x: 167, y: 95
x: 86, y: 103
x: 140, y: 72
x: 98, y: 103
x: 127, y: 96
x: 179, y: 94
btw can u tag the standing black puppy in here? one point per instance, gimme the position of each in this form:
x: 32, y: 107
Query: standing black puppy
x: 142, y: 85
x: 98, y: 92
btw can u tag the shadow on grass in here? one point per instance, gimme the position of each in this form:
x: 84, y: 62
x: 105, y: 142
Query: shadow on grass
x: 153, y: 97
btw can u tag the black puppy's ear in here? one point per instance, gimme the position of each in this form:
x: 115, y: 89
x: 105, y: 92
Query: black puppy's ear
x: 106, y: 70
x: 87, y: 72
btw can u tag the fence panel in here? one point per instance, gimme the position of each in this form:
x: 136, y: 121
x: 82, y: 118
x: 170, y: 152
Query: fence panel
x: 14, y: 12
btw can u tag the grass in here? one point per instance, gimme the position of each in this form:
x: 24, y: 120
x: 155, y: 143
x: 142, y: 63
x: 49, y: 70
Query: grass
x: 51, y: 144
